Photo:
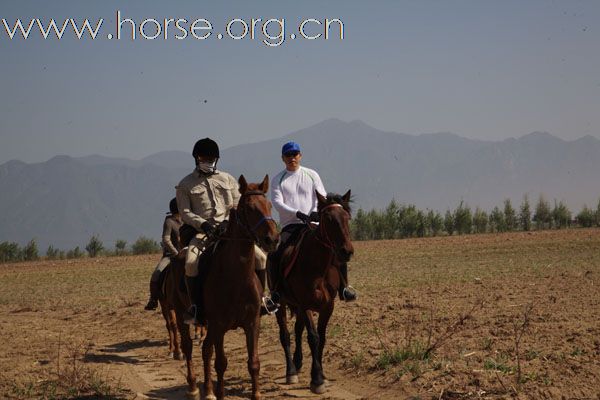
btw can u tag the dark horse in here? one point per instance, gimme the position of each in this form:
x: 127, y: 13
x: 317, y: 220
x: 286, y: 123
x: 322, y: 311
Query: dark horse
x: 312, y: 284
x: 232, y: 291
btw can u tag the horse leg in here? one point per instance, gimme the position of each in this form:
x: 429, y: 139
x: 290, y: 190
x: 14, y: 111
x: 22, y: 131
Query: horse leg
x: 207, y: 351
x: 187, y: 347
x: 291, y: 375
x: 252, y: 333
x: 176, y: 350
x: 167, y: 316
x: 317, y: 384
x: 220, y: 364
x: 298, y: 331
x: 324, y: 317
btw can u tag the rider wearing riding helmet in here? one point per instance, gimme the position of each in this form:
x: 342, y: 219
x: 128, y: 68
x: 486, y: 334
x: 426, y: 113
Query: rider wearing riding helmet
x: 293, y: 196
x: 171, y: 246
x: 205, y: 198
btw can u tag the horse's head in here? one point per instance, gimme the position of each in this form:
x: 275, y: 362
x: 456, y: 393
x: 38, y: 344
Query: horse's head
x: 254, y: 210
x: 334, y: 217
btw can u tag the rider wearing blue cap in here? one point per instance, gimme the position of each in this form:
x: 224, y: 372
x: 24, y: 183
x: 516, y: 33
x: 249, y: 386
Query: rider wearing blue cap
x: 293, y: 196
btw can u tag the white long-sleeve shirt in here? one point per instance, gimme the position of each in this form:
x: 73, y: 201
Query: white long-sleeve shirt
x: 293, y: 191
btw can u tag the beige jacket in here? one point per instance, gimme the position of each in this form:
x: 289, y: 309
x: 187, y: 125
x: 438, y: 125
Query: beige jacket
x: 206, y: 197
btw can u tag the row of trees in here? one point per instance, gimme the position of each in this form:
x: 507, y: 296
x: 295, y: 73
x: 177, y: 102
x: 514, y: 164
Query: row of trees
x: 12, y: 252
x: 401, y: 221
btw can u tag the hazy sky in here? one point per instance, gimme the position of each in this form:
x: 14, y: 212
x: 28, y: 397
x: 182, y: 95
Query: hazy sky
x: 481, y: 69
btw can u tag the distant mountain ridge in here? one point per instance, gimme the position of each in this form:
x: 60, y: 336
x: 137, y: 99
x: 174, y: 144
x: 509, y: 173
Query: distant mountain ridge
x: 65, y: 200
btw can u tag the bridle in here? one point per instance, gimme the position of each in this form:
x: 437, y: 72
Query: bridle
x: 324, y: 239
x: 243, y: 221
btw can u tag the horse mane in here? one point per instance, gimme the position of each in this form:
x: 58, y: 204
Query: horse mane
x: 336, y: 198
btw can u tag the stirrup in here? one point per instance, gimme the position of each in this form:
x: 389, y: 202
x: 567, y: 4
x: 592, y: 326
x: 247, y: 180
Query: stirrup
x: 349, y: 293
x: 189, y: 317
x: 269, y: 306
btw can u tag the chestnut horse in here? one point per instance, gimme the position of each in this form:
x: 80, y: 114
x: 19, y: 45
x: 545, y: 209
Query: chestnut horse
x: 312, y: 285
x: 232, y: 292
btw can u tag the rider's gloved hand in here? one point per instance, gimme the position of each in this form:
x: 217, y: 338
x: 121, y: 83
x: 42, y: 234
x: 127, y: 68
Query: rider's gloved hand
x: 302, y: 217
x: 314, y: 216
x: 207, y: 227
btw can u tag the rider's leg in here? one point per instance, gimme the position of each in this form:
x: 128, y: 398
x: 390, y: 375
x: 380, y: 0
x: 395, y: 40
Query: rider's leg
x: 154, y: 284
x: 275, y: 267
x: 194, y: 313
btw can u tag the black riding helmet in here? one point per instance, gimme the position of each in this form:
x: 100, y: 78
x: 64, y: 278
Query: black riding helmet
x: 173, y: 206
x: 206, y: 147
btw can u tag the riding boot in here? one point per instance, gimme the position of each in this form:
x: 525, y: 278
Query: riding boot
x: 154, y: 294
x: 274, y: 278
x: 345, y: 291
x: 195, y: 314
x: 268, y: 306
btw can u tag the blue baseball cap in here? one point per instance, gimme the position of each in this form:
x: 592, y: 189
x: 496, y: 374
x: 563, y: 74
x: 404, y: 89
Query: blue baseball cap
x: 289, y: 147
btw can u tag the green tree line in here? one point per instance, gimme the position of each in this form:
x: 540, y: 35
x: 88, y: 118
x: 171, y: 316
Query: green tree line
x: 399, y: 221
x: 12, y: 252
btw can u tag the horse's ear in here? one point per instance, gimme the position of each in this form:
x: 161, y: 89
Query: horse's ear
x: 264, y: 186
x: 321, y: 199
x: 243, y: 184
x: 346, y: 197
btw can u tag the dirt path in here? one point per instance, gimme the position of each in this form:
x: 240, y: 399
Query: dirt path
x: 144, y: 368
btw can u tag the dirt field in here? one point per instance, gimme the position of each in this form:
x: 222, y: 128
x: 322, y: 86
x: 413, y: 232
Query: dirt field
x: 481, y: 316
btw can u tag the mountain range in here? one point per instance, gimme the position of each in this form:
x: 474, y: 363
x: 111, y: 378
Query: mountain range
x: 66, y: 200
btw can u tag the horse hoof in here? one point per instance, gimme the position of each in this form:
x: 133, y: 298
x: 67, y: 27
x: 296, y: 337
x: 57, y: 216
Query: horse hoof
x: 211, y: 397
x: 178, y: 356
x: 290, y: 379
x: 171, y: 355
x: 317, y: 389
x: 193, y: 395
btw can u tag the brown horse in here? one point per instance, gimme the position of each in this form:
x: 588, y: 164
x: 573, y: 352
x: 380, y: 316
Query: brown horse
x: 232, y: 291
x: 312, y: 284
x: 173, y: 297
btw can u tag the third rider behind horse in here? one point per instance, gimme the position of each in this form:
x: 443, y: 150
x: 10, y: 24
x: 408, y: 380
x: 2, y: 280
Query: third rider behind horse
x: 293, y: 196
x: 171, y: 246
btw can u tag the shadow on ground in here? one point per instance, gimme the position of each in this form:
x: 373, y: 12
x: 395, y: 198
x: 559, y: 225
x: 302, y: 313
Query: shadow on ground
x: 110, y: 359
x: 132, y: 344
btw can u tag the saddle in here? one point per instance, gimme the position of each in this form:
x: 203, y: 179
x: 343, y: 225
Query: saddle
x: 284, y: 258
